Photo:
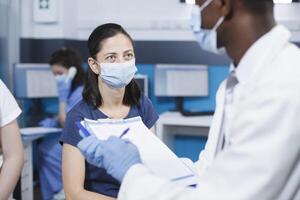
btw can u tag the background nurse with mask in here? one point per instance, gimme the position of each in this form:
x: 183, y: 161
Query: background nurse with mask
x: 109, y: 92
x: 69, y: 74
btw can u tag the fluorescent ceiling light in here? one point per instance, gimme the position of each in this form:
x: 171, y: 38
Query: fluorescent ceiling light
x: 275, y: 1
x: 190, y: 1
x: 283, y: 1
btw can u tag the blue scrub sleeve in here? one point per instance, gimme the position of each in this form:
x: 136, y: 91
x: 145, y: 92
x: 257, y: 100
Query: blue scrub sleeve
x: 148, y: 115
x: 74, y: 98
x: 70, y: 134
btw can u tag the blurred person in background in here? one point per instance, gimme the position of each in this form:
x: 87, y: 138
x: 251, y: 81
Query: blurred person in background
x: 66, y: 65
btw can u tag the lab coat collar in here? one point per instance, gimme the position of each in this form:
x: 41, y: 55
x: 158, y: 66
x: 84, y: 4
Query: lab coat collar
x: 261, y: 52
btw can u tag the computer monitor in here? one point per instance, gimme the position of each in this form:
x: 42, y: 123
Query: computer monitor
x: 142, y: 81
x: 32, y: 80
x: 181, y: 80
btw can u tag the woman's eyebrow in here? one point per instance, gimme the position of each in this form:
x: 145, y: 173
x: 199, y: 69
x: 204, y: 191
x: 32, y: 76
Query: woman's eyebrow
x: 110, y: 53
x: 129, y: 50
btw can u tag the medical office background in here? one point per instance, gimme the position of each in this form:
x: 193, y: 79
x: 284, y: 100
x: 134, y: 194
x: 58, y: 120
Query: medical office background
x: 162, y: 35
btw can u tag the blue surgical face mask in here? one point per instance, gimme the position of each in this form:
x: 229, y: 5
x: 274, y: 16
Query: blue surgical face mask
x: 205, y: 37
x: 61, y: 78
x: 117, y: 75
x: 65, y: 78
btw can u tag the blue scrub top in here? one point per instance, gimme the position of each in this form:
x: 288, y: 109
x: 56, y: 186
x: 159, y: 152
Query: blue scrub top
x: 74, y: 98
x: 96, y: 179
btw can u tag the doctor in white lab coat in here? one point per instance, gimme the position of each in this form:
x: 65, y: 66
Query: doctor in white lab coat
x: 253, y: 148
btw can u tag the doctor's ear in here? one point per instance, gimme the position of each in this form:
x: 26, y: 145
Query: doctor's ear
x: 227, y: 7
x: 93, y: 65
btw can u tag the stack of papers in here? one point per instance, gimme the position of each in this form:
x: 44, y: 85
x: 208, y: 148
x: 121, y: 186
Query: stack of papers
x: 154, y: 153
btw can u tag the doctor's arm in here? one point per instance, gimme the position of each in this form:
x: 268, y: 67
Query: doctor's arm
x: 13, y: 158
x: 257, y: 164
x: 73, y: 179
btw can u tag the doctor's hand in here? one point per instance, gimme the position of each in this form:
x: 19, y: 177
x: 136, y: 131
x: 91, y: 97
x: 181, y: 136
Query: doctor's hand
x: 115, y: 155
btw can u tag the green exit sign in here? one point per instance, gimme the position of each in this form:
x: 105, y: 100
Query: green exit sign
x: 44, y: 4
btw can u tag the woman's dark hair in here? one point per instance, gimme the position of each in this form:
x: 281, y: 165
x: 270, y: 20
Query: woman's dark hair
x: 68, y: 58
x: 91, y: 92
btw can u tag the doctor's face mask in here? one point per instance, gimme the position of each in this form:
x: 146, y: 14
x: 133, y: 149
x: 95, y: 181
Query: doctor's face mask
x: 205, y: 37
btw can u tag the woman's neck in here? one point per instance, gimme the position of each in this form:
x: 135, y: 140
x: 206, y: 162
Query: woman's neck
x: 111, y: 98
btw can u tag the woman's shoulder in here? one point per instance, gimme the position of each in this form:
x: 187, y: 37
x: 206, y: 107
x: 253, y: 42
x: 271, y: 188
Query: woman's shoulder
x: 81, y: 108
x: 147, y: 112
x: 145, y: 106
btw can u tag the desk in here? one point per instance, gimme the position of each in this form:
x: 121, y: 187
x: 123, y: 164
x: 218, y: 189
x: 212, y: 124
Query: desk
x: 173, y: 123
x: 28, y: 136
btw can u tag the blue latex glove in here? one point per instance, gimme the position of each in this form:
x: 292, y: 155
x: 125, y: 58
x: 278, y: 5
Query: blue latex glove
x: 115, y: 155
x: 49, y: 122
x: 63, y: 86
x: 91, y: 148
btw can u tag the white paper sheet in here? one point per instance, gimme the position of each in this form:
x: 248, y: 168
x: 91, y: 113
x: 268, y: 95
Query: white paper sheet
x: 154, y: 153
x: 1, y: 160
x: 38, y: 130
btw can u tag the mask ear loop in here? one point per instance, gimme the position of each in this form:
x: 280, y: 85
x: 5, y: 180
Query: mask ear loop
x: 219, y: 22
x: 203, y: 6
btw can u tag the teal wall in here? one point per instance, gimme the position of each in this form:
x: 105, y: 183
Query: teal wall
x: 187, y: 146
x: 184, y: 146
x: 162, y: 104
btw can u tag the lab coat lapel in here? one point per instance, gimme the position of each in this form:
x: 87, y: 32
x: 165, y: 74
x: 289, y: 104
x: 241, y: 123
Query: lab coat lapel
x: 250, y: 64
x: 215, y: 130
x: 261, y: 54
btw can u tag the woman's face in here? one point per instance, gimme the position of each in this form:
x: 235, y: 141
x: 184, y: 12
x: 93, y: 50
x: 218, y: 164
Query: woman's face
x: 117, y: 49
x: 58, y: 69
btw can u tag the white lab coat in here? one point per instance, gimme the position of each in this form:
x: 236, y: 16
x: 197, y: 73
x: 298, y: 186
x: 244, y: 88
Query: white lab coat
x: 261, y: 159
x: 9, y: 109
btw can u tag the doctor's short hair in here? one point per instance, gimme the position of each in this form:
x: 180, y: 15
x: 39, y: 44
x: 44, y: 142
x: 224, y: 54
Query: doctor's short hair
x: 91, y: 93
x: 258, y: 7
x: 67, y: 58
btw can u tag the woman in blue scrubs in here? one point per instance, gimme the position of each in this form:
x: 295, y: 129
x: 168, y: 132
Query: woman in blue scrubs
x: 66, y: 66
x: 110, y: 91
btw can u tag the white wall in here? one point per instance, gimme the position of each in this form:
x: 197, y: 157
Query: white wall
x: 65, y: 27
x: 289, y: 15
x: 143, y: 19
x: 9, y: 38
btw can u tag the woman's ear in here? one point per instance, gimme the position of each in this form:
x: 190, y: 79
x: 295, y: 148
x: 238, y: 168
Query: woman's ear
x: 93, y: 65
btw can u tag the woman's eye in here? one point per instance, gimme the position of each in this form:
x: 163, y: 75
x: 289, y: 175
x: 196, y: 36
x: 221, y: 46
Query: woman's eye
x: 110, y: 58
x: 129, y: 56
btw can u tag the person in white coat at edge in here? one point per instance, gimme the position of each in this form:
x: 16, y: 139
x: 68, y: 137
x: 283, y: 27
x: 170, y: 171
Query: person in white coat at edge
x: 253, y: 148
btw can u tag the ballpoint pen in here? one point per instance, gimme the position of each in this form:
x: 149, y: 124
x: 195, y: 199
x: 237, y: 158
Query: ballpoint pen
x: 124, y: 132
x: 84, y: 132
